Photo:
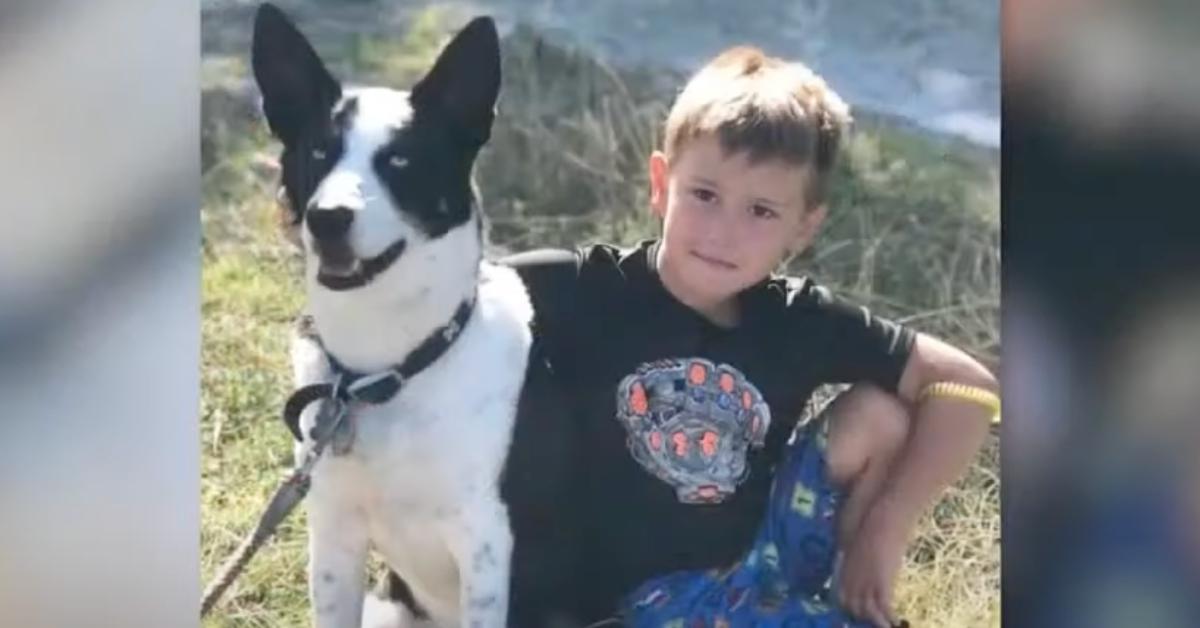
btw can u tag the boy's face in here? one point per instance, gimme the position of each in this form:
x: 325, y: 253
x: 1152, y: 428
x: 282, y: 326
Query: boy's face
x: 727, y: 224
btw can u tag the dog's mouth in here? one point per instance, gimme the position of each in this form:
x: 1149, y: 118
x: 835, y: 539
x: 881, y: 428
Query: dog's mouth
x: 339, y: 269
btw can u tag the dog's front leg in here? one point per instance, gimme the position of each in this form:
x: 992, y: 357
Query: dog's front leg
x: 338, y: 545
x: 481, y: 542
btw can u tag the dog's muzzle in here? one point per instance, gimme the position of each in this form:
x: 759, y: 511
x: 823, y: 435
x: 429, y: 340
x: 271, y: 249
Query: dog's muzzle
x: 338, y: 266
x: 340, y: 270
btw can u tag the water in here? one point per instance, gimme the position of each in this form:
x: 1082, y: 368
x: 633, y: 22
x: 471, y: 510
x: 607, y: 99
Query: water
x: 935, y: 63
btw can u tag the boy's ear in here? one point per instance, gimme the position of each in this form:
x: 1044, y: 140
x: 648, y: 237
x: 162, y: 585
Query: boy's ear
x: 658, y: 183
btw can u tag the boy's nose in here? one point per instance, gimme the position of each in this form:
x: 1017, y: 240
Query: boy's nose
x: 722, y: 226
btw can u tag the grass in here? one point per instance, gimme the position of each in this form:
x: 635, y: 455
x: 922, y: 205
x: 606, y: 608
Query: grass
x: 913, y: 233
x: 249, y: 299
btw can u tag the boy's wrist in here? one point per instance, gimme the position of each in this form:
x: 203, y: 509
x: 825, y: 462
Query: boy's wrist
x: 896, y: 511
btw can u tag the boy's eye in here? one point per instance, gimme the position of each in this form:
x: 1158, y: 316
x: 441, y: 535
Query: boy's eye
x: 703, y: 195
x: 762, y: 211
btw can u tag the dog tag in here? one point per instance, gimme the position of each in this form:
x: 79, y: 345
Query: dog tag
x: 329, y: 415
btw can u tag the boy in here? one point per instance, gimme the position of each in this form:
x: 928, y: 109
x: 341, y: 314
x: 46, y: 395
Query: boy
x: 689, y: 364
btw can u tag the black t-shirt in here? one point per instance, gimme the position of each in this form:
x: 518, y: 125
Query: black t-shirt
x: 683, y: 420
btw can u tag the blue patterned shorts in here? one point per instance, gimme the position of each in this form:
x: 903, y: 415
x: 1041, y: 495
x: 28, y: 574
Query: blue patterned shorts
x: 784, y: 580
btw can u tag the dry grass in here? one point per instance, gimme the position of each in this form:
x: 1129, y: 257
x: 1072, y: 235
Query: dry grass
x: 913, y: 233
x: 952, y: 574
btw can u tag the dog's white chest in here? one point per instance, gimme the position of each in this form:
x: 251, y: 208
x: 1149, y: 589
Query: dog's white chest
x: 423, y: 469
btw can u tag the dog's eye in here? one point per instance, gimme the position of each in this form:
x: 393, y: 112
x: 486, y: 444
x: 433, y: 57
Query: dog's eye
x: 397, y: 161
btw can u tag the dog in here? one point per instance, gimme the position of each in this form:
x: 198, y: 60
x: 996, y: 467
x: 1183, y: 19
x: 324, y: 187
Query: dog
x: 458, y: 474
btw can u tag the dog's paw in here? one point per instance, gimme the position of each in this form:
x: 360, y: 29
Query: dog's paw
x: 380, y: 613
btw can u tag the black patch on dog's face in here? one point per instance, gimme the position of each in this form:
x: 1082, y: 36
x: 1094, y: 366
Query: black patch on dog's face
x: 427, y: 178
x: 307, y: 160
x: 426, y: 167
x: 299, y: 96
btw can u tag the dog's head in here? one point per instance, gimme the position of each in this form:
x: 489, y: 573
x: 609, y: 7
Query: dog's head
x: 377, y: 179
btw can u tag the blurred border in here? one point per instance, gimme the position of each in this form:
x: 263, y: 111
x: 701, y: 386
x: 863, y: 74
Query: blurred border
x: 99, y: 314
x: 1101, y: 246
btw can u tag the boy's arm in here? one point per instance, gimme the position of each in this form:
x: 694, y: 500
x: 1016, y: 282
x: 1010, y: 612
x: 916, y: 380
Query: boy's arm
x: 944, y: 438
x: 946, y: 433
x: 854, y: 345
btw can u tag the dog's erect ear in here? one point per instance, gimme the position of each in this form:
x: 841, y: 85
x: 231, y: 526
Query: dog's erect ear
x: 294, y: 83
x: 464, y: 82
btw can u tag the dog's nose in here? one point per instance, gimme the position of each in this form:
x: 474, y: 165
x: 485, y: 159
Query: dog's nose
x: 329, y: 224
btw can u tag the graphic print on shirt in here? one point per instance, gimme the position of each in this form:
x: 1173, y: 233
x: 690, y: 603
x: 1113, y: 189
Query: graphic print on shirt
x: 691, y: 422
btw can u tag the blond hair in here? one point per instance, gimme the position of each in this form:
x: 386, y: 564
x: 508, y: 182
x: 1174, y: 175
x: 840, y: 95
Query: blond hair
x: 765, y: 107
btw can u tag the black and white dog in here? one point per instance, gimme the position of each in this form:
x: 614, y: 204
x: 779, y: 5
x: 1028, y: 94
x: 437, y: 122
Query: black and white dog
x: 458, y: 479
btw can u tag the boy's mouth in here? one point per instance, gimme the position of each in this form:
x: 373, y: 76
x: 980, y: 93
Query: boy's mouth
x: 713, y: 261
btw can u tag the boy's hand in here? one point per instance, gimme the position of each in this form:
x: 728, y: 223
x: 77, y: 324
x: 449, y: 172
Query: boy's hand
x: 869, y: 568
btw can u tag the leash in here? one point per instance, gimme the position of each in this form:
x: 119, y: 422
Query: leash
x: 330, y: 426
x: 293, y: 489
